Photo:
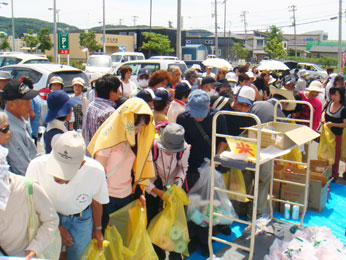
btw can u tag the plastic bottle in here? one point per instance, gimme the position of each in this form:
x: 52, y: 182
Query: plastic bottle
x: 287, y: 210
x: 295, y: 212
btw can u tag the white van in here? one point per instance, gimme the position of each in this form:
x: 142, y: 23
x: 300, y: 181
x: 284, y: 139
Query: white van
x: 120, y: 57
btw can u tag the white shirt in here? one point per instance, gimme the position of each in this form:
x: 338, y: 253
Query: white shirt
x: 175, y: 109
x: 209, y: 75
x: 128, y: 88
x: 88, y: 184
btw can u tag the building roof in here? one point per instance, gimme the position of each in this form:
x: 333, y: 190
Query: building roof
x: 331, y: 49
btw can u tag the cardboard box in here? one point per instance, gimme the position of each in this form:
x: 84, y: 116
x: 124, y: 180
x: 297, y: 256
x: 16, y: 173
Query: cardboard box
x: 282, y: 135
x: 318, y: 190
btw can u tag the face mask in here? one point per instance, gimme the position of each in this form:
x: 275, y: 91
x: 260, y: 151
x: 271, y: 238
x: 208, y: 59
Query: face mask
x: 211, y: 92
x: 143, y: 83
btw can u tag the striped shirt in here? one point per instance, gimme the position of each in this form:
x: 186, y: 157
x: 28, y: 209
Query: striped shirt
x: 97, y: 112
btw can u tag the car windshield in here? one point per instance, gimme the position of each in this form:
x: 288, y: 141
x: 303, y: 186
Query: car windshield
x: 99, y: 61
x: 37, y: 61
x: 318, y: 68
x: 68, y: 76
x: 116, y: 58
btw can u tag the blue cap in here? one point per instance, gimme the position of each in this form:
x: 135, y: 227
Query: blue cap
x: 59, y: 105
x: 163, y: 94
x: 198, y: 103
x: 143, y: 71
x: 182, y: 88
x: 147, y: 95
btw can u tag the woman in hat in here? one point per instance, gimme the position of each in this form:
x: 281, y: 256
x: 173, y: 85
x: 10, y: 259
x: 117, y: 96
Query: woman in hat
x: 122, y: 145
x: 262, y: 84
x: 170, y: 157
x: 59, y: 111
x: 334, y: 116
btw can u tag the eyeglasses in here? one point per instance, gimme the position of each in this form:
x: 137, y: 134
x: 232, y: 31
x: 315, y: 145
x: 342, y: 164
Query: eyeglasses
x: 5, y: 129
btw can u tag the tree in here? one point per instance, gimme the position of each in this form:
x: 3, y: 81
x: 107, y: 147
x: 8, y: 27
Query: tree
x: 4, y: 44
x: 274, y: 46
x: 157, y: 42
x: 44, y: 40
x: 88, y: 40
x: 30, y: 40
x: 238, y: 51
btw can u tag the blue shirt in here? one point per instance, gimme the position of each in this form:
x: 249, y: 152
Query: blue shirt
x: 21, y: 148
x: 36, y: 106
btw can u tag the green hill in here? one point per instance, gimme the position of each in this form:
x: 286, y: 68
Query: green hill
x: 22, y: 25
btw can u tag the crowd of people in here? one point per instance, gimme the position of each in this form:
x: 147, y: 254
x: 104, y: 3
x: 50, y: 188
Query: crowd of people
x: 123, y: 140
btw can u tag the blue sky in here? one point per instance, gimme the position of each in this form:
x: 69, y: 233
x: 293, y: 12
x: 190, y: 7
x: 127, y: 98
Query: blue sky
x: 196, y: 13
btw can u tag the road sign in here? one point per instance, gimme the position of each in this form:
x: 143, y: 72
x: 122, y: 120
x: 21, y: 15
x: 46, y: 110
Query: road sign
x: 63, y: 43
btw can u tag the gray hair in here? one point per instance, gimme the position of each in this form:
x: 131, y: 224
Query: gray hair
x: 171, y: 69
x: 3, y: 117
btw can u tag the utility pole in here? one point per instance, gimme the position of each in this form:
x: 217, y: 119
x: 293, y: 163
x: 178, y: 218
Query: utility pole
x: 134, y: 20
x: 216, y: 38
x: 293, y: 9
x: 120, y: 21
x: 104, y: 27
x: 340, y: 37
x: 54, y: 33
x: 243, y: 16
x: 224, y: 32
x: 178, y: 44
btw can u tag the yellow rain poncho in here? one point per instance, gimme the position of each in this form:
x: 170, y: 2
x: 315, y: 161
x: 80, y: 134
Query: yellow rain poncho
x: 120, y: 127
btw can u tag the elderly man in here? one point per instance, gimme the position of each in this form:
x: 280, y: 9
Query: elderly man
x: 22, y: 150
x: 76, y: 184
x: 191, y: 76
x: 301, y: 83
x: 288, y: 82
x: 175, y: 74
x: 4, y: 78
x: 209, y: 72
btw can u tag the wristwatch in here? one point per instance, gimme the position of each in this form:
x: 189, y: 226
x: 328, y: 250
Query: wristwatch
x: 97, y: 228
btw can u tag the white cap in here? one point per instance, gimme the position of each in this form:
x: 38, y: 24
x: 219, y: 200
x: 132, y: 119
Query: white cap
x: 250, y: 74
x: 56, y: 79
x: 246, y: 94
x: 66, y: 156
x: 271, y: 79
x: 303, y: 73
x: 78, y: 81
x: 315, y: 86
x: 231, y: 77
x: 197, y: 67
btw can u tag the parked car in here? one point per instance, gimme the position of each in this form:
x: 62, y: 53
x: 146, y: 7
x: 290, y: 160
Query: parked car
x: 21, y: 58
x: 41, y: 74
x: 151, y: 65
x: 121, y: 57
x: 99, y: 63
x: 314, y: 70
x: 163, y: 58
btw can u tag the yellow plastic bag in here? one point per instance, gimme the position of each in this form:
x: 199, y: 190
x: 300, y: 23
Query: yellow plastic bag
x: 295, y: 156
x: 168, y: 229
x: 343, y: 146
x: 130, y: 222
x: 326, y: 148
x: 116, y: 249
x: 92, y: 252
x: 234, y: 181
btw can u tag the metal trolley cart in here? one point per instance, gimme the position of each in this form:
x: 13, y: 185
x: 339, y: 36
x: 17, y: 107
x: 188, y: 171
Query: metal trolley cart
x: 255, y: 167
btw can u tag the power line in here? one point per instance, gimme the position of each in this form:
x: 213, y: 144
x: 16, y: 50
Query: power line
x: 243, y: 15
x: 134, y: 20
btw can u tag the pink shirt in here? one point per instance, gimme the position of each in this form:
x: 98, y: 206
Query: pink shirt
x: 120, y: 183
x: 317, y: 107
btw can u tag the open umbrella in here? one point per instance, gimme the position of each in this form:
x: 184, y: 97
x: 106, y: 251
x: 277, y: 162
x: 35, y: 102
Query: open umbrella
x: 272, y: 65
x: 218, y: 63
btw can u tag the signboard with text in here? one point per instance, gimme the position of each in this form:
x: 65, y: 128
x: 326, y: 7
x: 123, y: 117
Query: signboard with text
x: 63, y: 43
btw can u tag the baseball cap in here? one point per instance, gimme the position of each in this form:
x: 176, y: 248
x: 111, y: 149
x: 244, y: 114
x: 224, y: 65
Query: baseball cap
x: 288, y: 79
x: 66, y: 156
x: 246, y: 94
x: 182, y: 87
x: 198, y: 103
x: 59, y: 104
x: 147, y: 95
x: 78, y: 81
x: 5, y: 75
x: 232, y: 77
x: 143, y: 71
x: 56, y: 79
x: 210, y: 80
x: 16, y: 89
x: 250, y: 74
x: 163, y: 94
x: 223, y: 83
x: 303, y: 73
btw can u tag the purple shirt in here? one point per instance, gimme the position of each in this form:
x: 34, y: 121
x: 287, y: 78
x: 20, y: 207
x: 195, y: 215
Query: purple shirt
x: 97, y: 112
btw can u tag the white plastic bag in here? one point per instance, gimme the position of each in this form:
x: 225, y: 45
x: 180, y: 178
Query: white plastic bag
x: 199, y: 196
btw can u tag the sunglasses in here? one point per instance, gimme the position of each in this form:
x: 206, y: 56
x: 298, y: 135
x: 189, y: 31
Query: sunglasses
x: 5, y: 129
